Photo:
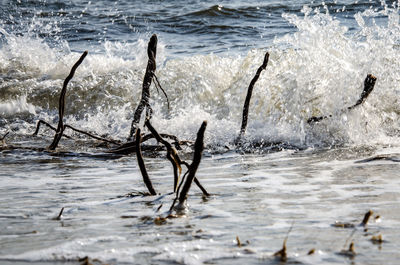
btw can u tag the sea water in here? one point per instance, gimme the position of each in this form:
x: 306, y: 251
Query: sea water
x: 289, y: 179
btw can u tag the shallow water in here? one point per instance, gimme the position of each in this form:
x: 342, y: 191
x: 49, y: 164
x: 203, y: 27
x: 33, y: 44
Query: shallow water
x: 287, y: 176
x: 255, y: 197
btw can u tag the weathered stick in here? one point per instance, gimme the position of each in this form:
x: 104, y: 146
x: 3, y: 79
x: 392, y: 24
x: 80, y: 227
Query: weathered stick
x: 61, y: 102
x: 198, y: 150
x: 369, y: 84
x: 148, y: 77
x: 92, y: 135
x: 48, y: 125
x: 248, y: 97
x: 146, y: 178
x: 158, y: 85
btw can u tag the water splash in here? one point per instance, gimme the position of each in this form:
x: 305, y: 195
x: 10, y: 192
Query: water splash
x: 316, y: 71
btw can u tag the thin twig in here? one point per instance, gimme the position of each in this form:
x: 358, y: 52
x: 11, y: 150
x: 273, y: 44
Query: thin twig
x: 59, y: 215
x: 130, y: 147
x: 369, y: 84
x: 157, y: 83
x: 48, y: 125
x: 282, y: 254
x: 366, y: 218
x: 92, y: 135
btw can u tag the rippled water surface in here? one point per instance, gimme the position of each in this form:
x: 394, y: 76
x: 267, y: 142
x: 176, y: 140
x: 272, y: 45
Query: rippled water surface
x: 289, y: 180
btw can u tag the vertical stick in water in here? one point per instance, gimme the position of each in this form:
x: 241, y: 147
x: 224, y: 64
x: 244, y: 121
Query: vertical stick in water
x: 172, y: 155
x: 148, y: 77
x: 248, y: 97
x: 61, y: 103
x: 198, y: 150
x: 146, y: 178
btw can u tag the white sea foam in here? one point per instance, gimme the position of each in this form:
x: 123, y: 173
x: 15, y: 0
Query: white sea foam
x: 18, y: 106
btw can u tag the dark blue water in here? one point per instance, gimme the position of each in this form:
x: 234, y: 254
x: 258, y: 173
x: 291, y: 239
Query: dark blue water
x: 186, y: 27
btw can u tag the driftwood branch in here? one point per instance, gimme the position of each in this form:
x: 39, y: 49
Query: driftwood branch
x: 146, y: 178
x: 130, y: 147
x: 61, y: 106
x: 92, y: 135
x: 172, y: 155
x: 175, y: 160
x: 369, y: 84
x: 148, y: 77
x: 48, y: 125
x: 198, y: 150
x: 248, y: 97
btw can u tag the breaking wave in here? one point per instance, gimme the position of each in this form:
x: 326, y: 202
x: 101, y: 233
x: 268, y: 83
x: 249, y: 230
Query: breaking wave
x: 317, y: 70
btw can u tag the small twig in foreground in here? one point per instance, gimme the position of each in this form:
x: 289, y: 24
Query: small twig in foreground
x: 59, y: 215
x: 282, y: 254
x: 366, y: 218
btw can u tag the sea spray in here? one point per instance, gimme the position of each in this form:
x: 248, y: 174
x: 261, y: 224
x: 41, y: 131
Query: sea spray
x: 317, y: 70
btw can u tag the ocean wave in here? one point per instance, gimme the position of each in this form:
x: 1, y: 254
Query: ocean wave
x: 317, y: 70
